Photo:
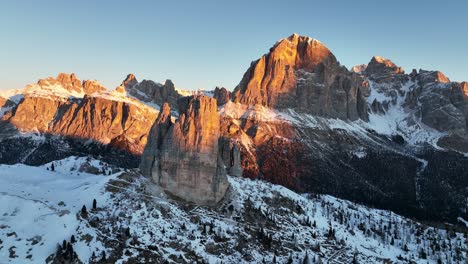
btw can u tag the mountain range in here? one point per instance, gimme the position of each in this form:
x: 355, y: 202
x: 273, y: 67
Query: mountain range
x: 373, y: 134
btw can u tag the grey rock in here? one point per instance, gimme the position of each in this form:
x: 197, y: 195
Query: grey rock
x: 183, y: 158
x: 222, y: 95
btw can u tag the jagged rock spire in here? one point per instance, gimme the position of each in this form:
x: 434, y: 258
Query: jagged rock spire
x: 183, y: 157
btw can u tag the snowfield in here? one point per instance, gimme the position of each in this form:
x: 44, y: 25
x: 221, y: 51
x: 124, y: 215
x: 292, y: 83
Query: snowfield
x: 135, y: 222
x: 38, y: 207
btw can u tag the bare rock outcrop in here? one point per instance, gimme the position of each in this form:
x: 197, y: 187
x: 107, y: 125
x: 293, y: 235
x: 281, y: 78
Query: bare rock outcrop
x: 183, y: 158
x: 70, y: 83
x: 464, y: 88
x: 120, y: 124
x: 150, y: 91
x: 427, y: 77
x: 92, y: 86
x: 436, y: 101
x: 231, y: 155
x: 382, y: 66
x: 151, y: 155
x: 442, y: 103
x: 123, y: 124
x: 301, y: 73
x: 33, y: 113
x: 222, y: 95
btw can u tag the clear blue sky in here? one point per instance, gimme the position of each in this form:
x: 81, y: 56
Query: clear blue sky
x: 203, y: 44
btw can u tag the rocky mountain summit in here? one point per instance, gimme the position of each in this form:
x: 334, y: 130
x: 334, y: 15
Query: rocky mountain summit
x: 183, y: 158
x: 427, y: 96
x: 302, y: 74
x: 149, y: 91
x: 416, y: 120
x: 71, y: 83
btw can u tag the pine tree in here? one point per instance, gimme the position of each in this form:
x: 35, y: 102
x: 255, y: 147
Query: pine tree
x: 94, y: 204
x: 84, y: 212
x: 52, y: 167
x: 59, y: 250
x: 72, y: 239
x: 422, y: 254
x: 355, y: 261
x: 290, y: 259
x: 306, y: 258
x: 127, y: 232
x: 211, y: 227
x: 69, y: 251
x: 103, y: 256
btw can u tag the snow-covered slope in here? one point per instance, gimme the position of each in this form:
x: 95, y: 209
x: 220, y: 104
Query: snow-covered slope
x: 39, y: 207
x: 136, y: 223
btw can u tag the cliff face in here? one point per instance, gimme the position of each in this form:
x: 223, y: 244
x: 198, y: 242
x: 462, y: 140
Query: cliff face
x: 50, y: 107
x: 105, y: 120
x: 34, y: 113
x: 393, y: 160
x: 222, y: 95
x: 302, y: 74
x: 71, y: 83
x: 149, y: 91
x: 183, y: 158
x: 152, y: 153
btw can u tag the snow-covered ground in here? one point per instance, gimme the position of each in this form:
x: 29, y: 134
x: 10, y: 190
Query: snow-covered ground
x: 38, y: 207
x: 257, y: 221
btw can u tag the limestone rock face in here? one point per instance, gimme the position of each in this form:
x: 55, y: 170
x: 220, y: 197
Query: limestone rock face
x: 92, y: 86
x: 359, y: 68
x: 379, y: 66
x: 230, y: 153
x: 70, y: 83
x: 158, y: 132
x: 464, y: 88
x: 434, y: 100
x: 427, y: 77
x: 104, y: 120
x: 442, y: 104
x: 222, y: 95
x: 117, y: 123
x: 149, y: 91
x: 33, y: 113
x: 129, y: 81
x: 184, y: 155
x: 301, y: 73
